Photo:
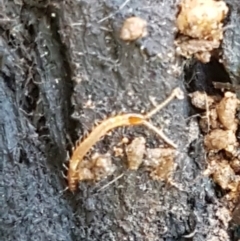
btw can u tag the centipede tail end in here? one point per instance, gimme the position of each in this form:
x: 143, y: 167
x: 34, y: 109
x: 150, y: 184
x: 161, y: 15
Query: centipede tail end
x: 72, y: 180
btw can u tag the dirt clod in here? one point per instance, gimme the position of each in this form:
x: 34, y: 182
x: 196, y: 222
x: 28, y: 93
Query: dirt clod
x: 133, y: 28
x: 161, y: 163
x: 220, y: 140
x: 200, y: 25
x: 201, y: 100
x: 135, y: 152
x: 226, y: 111
x: 219, y: 124
x: 202, y: 19
x: 99, y: 167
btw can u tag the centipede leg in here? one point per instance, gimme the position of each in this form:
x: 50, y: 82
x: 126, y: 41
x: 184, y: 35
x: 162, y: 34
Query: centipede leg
x: 65, y: 167
x: 64, y: 190
x: 64, y: 175
x: 68, y: 156
x: 160, y: 133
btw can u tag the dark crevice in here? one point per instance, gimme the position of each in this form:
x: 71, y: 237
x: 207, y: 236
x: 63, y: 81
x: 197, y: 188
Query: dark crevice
x: 66, y: 86
x: 68, y: 83
x: 199, y: 76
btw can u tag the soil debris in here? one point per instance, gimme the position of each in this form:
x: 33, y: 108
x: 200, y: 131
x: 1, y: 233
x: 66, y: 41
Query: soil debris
x: 201, y: 100
x: 219, y: 125
x: 160, y: 162
x: 202, y: 19
x: 99, y: 167
x: 135, y: 152
x: 226, y: 111
x: 200, y: 27
x: 133, y: 28
x: 220, y: 140
x: 200, y: 49
x: 219, y: 122
x: 222, y: 173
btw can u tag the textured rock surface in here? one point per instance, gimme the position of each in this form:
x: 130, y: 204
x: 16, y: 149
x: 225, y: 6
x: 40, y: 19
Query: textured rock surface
x: 56, y: 58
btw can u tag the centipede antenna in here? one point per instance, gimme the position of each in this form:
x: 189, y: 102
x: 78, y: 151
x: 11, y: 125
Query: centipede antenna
x: 176, y: 93
x: 160, y: 133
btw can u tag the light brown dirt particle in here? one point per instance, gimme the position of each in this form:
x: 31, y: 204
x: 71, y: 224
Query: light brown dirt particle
x: 235, y: 164
x: 220, y: 140
x: 209, y: 121
x: 223, y: 174
x: 202, y: 19
x: 226, y: 111
x: 135, y: 152
x: 200, y: 48
x: 200, y: 24
x: 133, y: 28
x: 201, y: 100
x: 100, y: 166
x: 161, y: 163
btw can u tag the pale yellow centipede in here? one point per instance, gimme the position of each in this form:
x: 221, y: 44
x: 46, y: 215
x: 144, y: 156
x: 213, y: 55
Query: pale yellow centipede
x: 105, y: 126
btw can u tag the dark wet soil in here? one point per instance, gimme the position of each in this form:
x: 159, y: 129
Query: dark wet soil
x: 59, y: 56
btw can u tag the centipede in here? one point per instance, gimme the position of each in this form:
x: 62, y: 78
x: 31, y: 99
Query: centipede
x: 128, y: 119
